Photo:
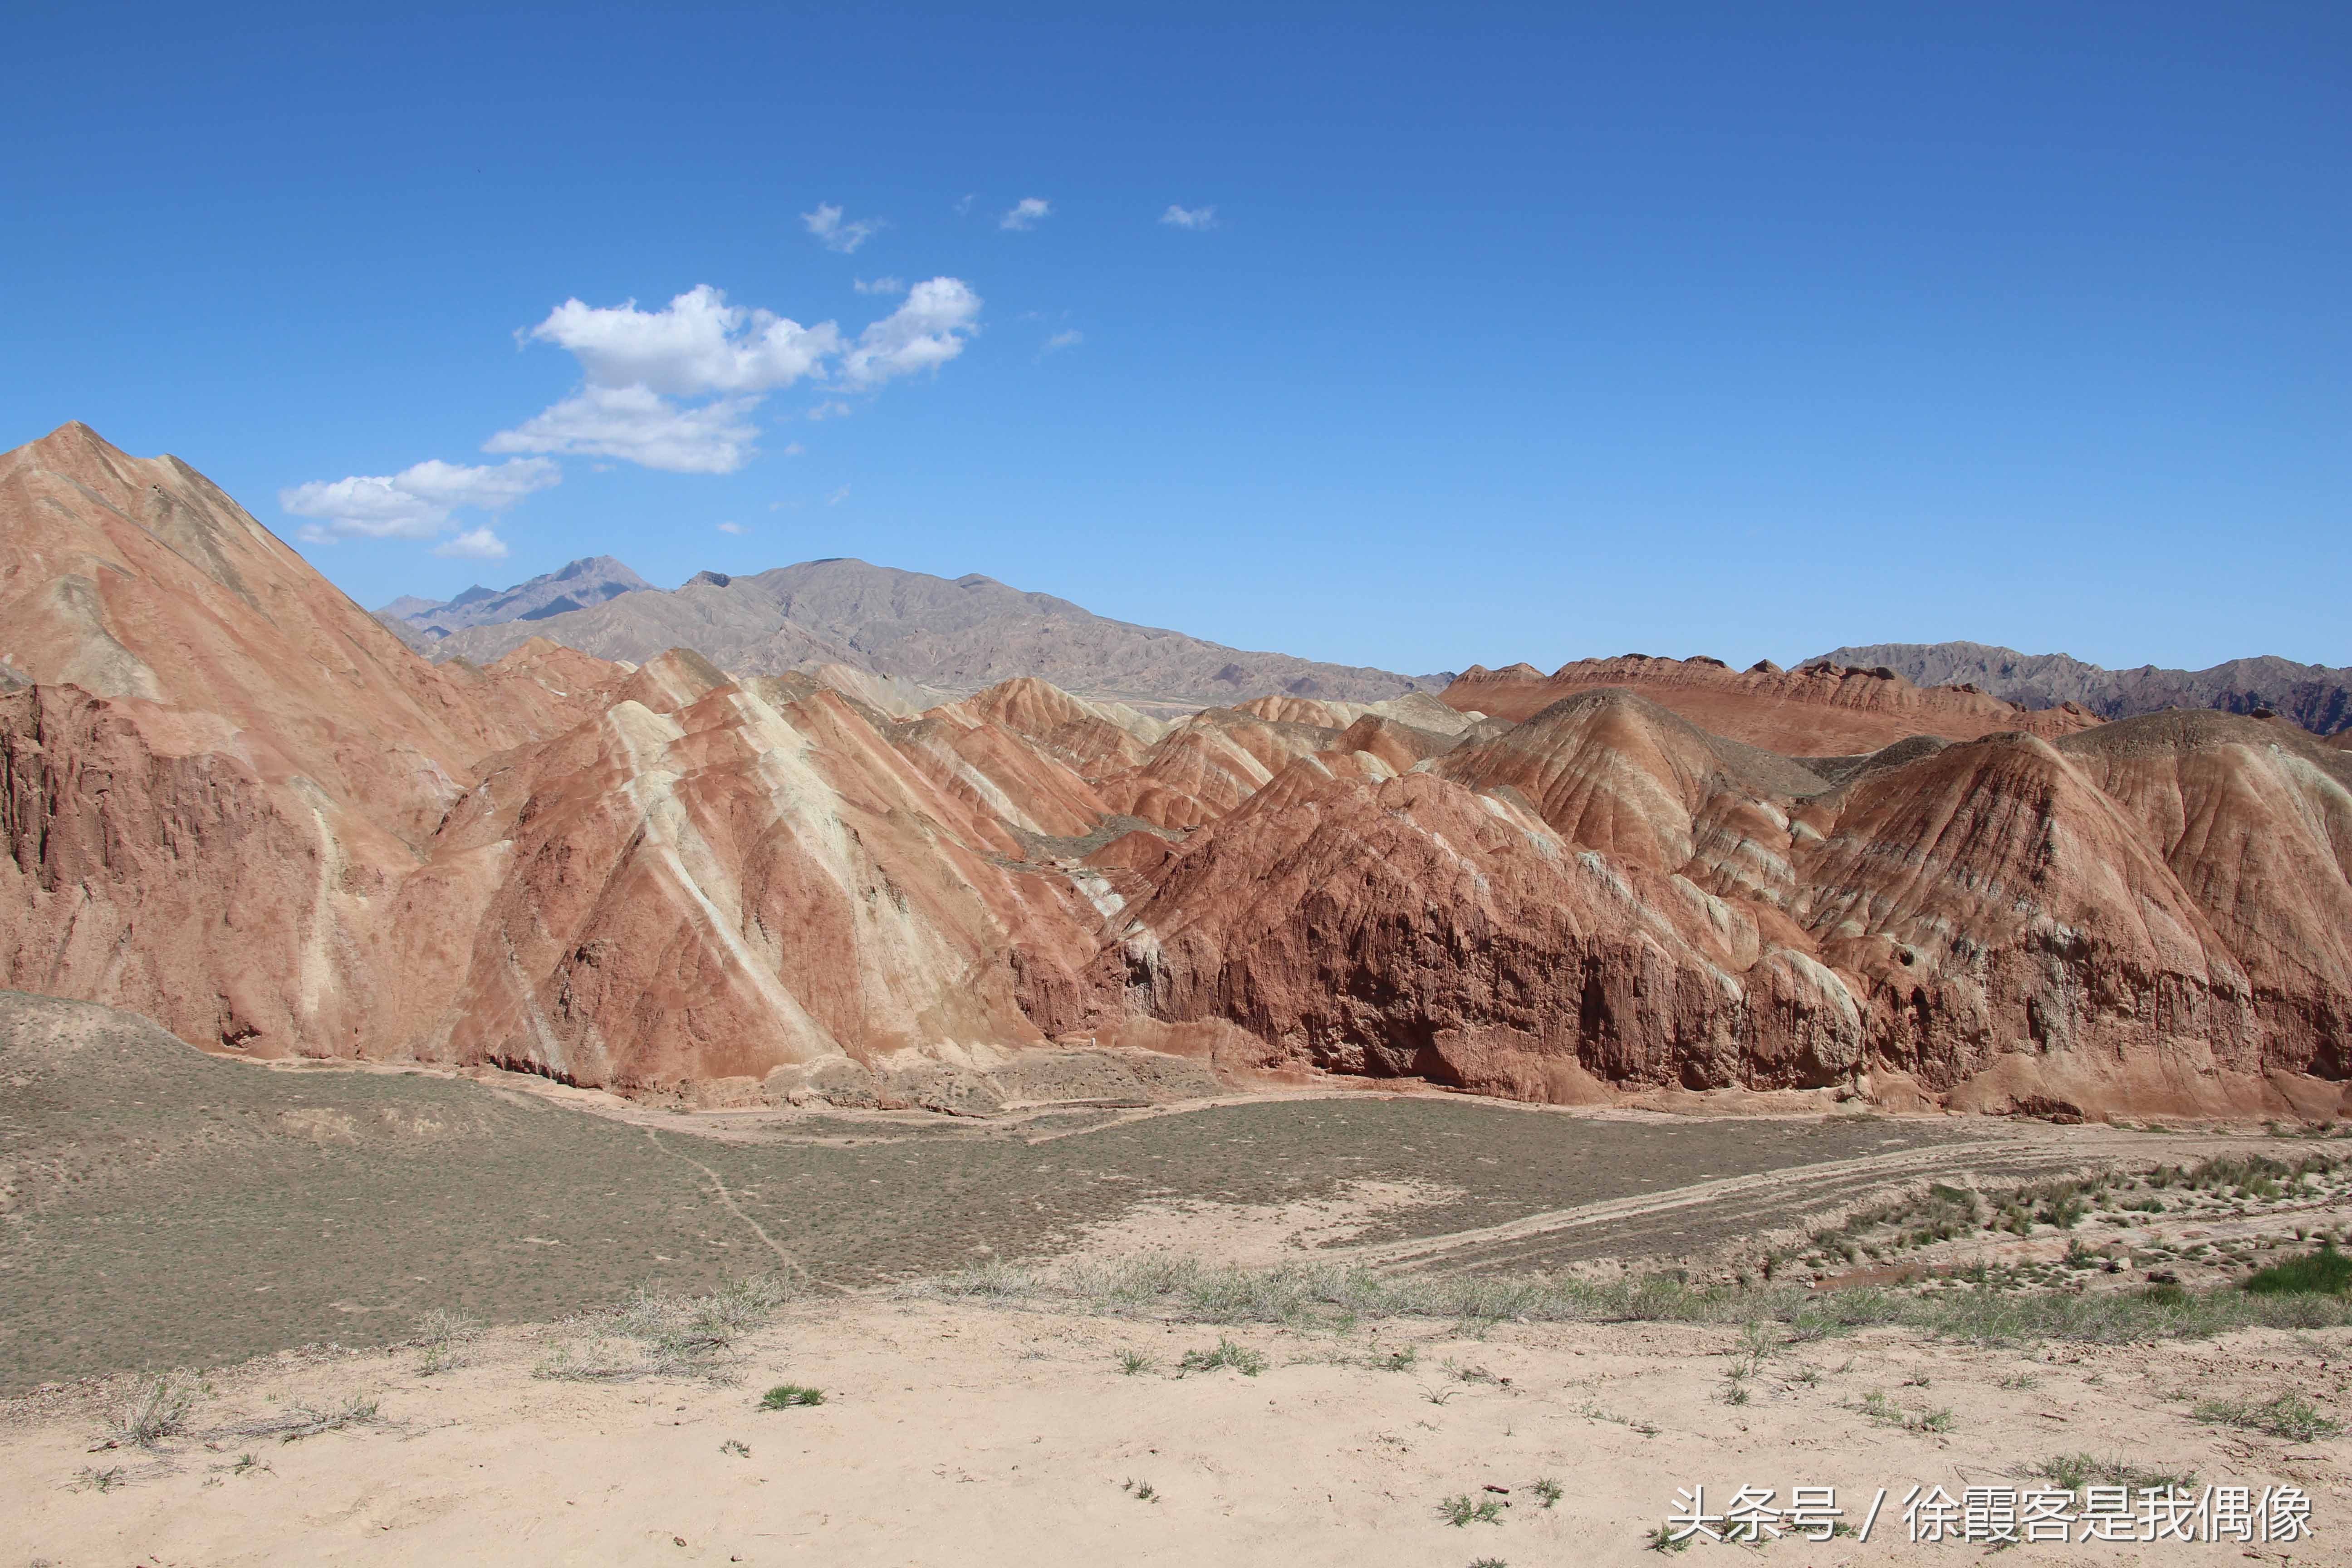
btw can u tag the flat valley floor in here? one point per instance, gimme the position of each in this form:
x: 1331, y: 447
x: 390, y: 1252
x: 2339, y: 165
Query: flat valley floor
x: 289, y: 1236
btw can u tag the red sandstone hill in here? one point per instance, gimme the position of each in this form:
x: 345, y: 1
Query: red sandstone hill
x: 1820, y: 710
x: 234, y: 802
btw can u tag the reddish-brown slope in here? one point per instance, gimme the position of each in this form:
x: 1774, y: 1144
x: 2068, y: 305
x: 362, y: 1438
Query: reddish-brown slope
x: 1822, y: 711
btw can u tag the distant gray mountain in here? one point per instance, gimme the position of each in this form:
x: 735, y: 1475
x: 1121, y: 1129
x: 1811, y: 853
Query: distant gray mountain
x: 590, y: 580
x: 958, y: 635
x: 2315, y: 696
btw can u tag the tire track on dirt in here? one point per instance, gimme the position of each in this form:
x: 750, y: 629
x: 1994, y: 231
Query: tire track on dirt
x: 1731, y: 1206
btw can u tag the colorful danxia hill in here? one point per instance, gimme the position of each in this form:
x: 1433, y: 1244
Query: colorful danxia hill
x: 238, y: 804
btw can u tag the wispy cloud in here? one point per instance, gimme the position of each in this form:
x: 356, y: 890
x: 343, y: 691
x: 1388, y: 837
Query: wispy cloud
x: 878, y: 285
x: 1026, y: 213
x: 1188, y: 217
x: 733, y: 528
x: 939, y: 317
x: 640, y: 426
x: 830, y: 408
x: 963, y: 207
x: 414, y: 504
x: 1059, y: 340
x: 826, y: 224
x: 837, y: 496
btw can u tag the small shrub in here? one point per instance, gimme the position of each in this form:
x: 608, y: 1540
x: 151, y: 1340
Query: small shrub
x: 1142, y: 1491
x: 790, y: 1397
x: 1399, y: 1361
x: 741, y: 1450
x: 1240, y: 1358
x: 1132, y: 1362
x: 1547, y: 1491
x: 1460, y: 1511
x: 1662, y: 1539
x: 158, y: 1408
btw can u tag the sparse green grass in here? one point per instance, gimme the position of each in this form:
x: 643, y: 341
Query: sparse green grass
x: 2022, y: 1380
x: 1461, y: 1511
x: 1398, y: 1361
x: 2288, y: 1415
x: 1594, y: 1413
x: 2326, y: 1272
x: 246, y: 1463
x: 1662, y: 1539
x: 1132, y: 1362
x: 736, y: 1447
x: 100, y: 1481
x: 1240, y: 1358
x: 1877, y: 1407
x: 1142, y: 1491
x: 1546, y: 1490
x: 2073, y: 1472
x: 790, y: 1397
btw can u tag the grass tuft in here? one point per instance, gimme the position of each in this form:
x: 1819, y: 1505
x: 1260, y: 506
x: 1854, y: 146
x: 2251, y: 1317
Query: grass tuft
x: 790, y: 1397
x: 1240, y: 1358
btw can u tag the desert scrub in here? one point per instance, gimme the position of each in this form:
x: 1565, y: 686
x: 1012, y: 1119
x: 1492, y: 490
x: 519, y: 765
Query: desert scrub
x: 439, y: 1336
x: 157, y: 1408
x: 655, y: 1333
x: 790, y: 1397
x: 1133, y: 1361
x: 1312, y: 1295
x: 2289, y: 1415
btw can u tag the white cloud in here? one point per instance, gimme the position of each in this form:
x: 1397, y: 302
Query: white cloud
x: 930, y: 329
x: 643, y: 371
x: 1070, y: 338
x: 1026, y: 213
x: 794, y: 449
x: 414, y: 504
x: 480, y: 544
x: 837, y: 496
x: 1188, y: 217
x: 879, y: 285
x: 641, y: 427
x: 964, y: 206
x: 699, y: 345
x: 827, y: 225
x: 731, y: 528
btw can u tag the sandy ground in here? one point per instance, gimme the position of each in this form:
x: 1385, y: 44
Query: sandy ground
x: 956, y: 1434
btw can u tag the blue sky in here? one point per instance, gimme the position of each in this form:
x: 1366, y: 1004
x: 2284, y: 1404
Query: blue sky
x: 1510, y: 333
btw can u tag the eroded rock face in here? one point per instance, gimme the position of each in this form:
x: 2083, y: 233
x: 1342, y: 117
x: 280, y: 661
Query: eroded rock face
x: 235, y: 803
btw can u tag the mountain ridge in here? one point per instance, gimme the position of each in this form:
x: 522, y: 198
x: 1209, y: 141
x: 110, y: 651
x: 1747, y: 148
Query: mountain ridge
x: 2315, y: 696
x: 956, y: 635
